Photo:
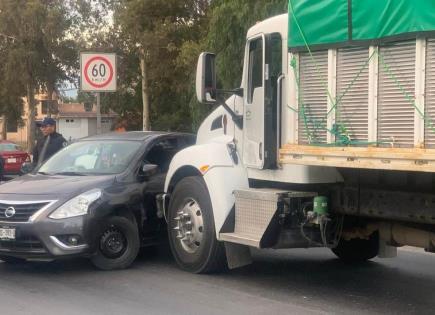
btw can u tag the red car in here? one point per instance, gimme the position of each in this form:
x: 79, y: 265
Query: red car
x: 13, y: 157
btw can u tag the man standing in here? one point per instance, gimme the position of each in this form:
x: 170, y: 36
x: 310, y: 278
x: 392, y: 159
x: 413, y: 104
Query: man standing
x: 49, y: 144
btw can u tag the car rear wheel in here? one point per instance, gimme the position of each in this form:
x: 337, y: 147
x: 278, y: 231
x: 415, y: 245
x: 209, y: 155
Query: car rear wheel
x: 191, y: 228
x: 117, y: 244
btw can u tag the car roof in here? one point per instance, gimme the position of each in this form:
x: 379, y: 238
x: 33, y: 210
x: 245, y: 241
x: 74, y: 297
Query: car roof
x: 135, y: 135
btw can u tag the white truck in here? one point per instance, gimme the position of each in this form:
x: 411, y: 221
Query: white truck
x: 327, y: 142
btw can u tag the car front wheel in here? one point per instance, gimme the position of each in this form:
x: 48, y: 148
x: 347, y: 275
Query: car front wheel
x: 117, y: 244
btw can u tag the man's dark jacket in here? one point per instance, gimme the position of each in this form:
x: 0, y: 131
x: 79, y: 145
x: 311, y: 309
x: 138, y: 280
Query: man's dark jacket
x: 56, y: 142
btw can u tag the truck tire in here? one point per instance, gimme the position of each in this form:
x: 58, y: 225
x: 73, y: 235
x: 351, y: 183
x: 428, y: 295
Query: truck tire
x: 191, y: 228
x: 357, y: 250
x: 117, y: 244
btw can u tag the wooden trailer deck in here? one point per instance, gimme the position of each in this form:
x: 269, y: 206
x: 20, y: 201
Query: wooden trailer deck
x: 401, y: 159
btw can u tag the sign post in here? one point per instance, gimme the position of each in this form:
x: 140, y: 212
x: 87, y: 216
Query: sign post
x: 98, y: 74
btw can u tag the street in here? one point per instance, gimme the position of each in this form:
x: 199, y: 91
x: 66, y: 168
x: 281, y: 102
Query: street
x: 279, y: 282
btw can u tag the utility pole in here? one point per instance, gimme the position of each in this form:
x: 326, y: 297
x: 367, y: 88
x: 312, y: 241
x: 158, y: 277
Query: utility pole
x: 98, y: 113
x: 145, y: 99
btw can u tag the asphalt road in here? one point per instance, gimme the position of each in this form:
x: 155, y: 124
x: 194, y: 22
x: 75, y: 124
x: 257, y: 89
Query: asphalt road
x: 279, y: 282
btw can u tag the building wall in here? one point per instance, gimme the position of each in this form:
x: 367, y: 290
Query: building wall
x: 20, y: 136
x: 72, y: 128
x: 92, y: 126
x: 82, y: 127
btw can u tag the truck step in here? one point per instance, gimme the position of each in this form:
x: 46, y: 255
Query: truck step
x: 243, y: 239
x: 254, y: 211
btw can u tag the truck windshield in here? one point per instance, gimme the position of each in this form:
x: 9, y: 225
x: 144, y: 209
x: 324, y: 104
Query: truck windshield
x: 92, y: 158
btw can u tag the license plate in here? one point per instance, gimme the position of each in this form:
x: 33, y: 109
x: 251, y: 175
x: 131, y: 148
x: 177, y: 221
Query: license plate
x: 12, y: 160
x: 7, y: 234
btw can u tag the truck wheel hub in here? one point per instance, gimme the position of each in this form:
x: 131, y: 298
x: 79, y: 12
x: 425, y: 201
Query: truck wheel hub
x: 189, y: 226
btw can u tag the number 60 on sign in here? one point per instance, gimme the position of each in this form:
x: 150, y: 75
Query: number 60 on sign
x: 98, y: 72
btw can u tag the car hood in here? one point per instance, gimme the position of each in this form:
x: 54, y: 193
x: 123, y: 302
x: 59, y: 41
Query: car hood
x: 54, y: 185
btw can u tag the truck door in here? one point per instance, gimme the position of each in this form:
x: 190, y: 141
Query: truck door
x: 264, y: 66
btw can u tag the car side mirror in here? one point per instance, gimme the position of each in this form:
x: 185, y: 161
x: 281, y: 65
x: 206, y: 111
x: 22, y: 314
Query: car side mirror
x: 26, y: 168
x: 148, y: 170
x: 206, y: 78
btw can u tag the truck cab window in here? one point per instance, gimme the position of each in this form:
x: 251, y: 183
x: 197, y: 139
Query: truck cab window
x: 276, y: 57
x: 255, y: 69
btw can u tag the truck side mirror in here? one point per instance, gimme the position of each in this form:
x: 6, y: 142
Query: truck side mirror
x: 206, y: 78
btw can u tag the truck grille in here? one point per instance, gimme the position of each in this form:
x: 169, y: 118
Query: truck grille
x: 22, y: 211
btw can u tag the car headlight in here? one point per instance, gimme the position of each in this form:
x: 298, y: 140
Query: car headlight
x: 77, y: 206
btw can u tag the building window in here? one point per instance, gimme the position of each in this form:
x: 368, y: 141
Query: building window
x: 45, y: 107
x: 12, y: 126
x: 70, y: 120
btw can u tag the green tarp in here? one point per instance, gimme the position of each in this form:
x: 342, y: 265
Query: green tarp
x: 347, y: 22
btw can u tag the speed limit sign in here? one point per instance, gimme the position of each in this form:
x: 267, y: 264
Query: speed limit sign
x: 98, y: 72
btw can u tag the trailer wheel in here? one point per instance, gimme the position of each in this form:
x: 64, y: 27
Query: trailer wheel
x: 357, y: 250
x: 118, y: 244
x: 191, y: 228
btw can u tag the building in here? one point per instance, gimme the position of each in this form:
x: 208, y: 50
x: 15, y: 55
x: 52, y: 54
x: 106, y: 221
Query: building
x: 18, y: 133
x: 75, y: 120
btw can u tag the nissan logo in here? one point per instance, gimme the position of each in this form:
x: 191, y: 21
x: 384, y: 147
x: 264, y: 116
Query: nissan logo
x: 10, y: 212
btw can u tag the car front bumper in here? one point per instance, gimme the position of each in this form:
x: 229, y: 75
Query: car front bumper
x: 46, y: 238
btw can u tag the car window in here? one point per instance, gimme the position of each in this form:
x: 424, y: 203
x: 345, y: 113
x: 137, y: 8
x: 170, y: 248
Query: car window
x: 186, y: 141
x: 162, y: 152
x: 93, y: 157
x: 9, y: 147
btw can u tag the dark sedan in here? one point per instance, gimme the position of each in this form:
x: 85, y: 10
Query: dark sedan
x: 95, y: 198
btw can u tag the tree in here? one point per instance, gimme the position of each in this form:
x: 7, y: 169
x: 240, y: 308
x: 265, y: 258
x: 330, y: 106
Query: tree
x: 40, y: 50
x: 223, y: 31
x: 154, y: 32
x: 165, y: 38
x: 229, y: 23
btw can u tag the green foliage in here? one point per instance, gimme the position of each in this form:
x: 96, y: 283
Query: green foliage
x: 37, y: 51
x: 158, y: 30
x: 229, y: 23
x: 173, y: 33
x: 224, y: 32
x: 40, y: 40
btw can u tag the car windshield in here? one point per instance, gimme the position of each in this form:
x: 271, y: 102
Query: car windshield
x: 92, y: 158
x: 9, y: 147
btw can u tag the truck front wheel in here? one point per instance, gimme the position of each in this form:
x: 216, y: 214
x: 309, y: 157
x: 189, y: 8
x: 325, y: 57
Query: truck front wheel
x: 191, y: 228
x: 357, y: 250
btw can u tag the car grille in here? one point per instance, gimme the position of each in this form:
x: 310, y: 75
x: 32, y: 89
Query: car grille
x: 22, y: 211
x: 23, y: 244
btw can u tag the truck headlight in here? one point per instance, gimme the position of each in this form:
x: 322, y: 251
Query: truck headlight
x: 77, y: 206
